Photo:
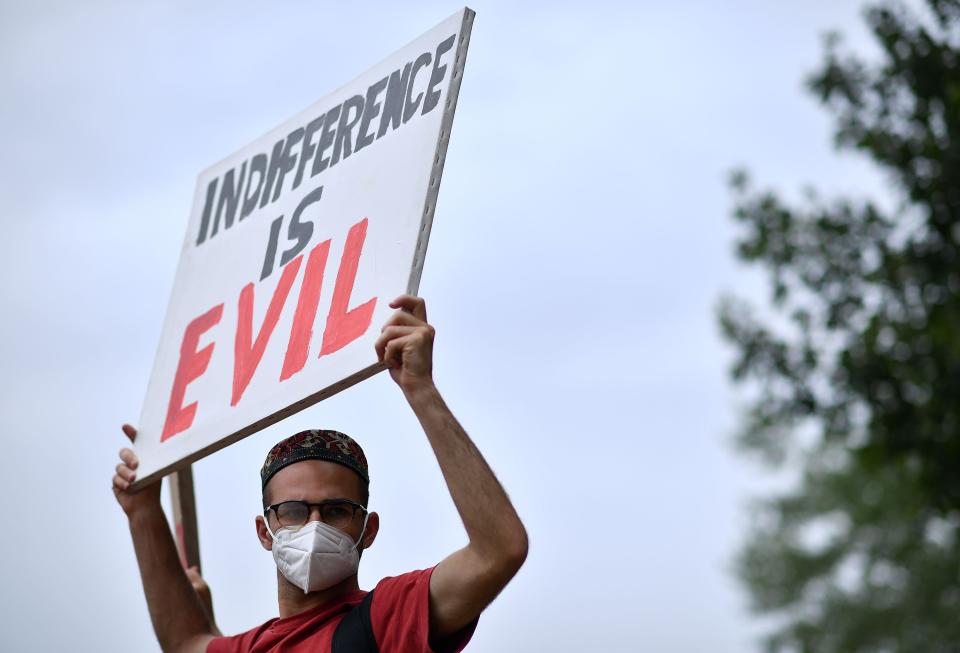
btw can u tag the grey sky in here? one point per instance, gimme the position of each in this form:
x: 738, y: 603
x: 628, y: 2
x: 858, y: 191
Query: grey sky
x: 581, y: 240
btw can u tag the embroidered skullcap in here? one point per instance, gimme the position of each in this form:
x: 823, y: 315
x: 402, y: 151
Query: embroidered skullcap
x: 315, y: 444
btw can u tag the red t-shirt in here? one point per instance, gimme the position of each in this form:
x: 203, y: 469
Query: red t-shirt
x: 399, y: 614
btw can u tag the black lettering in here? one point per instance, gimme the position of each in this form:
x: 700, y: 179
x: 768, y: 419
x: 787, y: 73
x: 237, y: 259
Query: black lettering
x: 286, y: 160
x: 393, y: 103
x: 326, y: 140
x: 302, y: 231
x: 307, y: 149
x: 433, y: 96
x: 229, y: 197
x: 371, y: 108
x: 207, y: 207
x: 258, y: 164
x: 411, y: 106
x: 271, y: 172
x: 271, y: 254
x: 345, y: 126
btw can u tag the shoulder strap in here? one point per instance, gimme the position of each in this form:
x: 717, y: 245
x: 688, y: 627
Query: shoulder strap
x: 354, y: 633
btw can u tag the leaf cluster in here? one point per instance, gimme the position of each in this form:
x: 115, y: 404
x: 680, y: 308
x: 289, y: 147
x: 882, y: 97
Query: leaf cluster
x: 857, y: 372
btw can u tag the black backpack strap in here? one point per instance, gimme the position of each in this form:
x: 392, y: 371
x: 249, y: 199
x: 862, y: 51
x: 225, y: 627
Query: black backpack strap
x: 354, y: 633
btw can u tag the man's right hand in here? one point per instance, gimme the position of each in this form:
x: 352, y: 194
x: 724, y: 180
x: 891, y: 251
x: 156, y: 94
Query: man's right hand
x: 133, y: 501
x: 182, y: 618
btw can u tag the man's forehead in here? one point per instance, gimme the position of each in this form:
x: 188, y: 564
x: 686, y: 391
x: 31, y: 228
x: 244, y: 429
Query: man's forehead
x: 314, y: 480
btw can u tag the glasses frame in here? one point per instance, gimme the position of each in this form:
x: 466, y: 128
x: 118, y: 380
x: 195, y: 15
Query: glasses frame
x: 310, y: 505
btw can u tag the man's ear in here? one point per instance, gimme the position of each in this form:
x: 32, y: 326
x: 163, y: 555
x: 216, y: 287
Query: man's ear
x: 370, y: 534
x: 263, y: 534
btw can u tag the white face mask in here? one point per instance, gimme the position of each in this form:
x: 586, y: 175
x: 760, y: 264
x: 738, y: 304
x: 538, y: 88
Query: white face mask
x: 315, y: 556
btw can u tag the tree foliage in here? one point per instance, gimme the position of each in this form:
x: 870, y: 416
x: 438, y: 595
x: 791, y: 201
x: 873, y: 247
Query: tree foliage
x: 857, y: 370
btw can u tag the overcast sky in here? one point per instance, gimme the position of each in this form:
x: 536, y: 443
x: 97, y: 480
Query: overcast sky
x: 581, y: 240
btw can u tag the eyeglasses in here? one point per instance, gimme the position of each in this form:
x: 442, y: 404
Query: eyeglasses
x: 338, y: 513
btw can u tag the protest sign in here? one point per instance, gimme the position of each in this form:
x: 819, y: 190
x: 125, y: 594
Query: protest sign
x: 295, y: 246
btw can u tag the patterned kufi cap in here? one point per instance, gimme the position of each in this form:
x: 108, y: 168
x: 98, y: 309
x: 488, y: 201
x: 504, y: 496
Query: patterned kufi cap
x: 315, y: 444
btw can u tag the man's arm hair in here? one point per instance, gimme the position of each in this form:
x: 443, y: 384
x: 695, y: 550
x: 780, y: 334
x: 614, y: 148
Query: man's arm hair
x: 465, y: 582
x: 179, y: 618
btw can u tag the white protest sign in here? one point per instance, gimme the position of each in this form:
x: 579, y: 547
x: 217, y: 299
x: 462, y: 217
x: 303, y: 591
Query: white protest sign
x: 295, y: 246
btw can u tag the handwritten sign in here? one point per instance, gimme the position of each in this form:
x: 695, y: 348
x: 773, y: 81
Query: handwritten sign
x: 296, y: 244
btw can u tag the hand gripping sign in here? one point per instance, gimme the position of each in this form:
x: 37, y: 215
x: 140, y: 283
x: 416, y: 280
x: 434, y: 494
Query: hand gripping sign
x: 296, y: 243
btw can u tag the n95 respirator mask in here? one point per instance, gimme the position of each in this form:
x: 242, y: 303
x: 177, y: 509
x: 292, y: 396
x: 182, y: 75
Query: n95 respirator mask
x: 315, y: 556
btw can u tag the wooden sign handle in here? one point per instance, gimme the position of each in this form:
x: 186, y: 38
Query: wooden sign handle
x: 185, y: 517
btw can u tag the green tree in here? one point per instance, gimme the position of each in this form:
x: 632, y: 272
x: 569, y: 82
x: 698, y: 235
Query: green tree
x: 855, y: 372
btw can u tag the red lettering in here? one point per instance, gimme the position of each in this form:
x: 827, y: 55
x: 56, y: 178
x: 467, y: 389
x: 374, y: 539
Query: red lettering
x: 247, y: 356
x: 191, y: 366
x: 302, y: 330
x: 343, y: 326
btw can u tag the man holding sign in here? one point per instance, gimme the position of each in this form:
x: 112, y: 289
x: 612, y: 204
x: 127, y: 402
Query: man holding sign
x: 316, y: 524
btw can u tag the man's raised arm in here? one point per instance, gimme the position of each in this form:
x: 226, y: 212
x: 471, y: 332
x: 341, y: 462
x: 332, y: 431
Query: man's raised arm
x: 464, y: 583
x: 180, y: 620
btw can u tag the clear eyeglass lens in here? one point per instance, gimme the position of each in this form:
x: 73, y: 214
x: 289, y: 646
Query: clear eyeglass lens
x: 337, y: 515
x: 292, y: 513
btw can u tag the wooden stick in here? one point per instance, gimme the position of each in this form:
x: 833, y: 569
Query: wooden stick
x: 185, y: 517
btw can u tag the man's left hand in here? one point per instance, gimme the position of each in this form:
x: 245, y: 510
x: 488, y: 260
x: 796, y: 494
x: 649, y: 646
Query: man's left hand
x: 467, y: 580
x: 406, y: 344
